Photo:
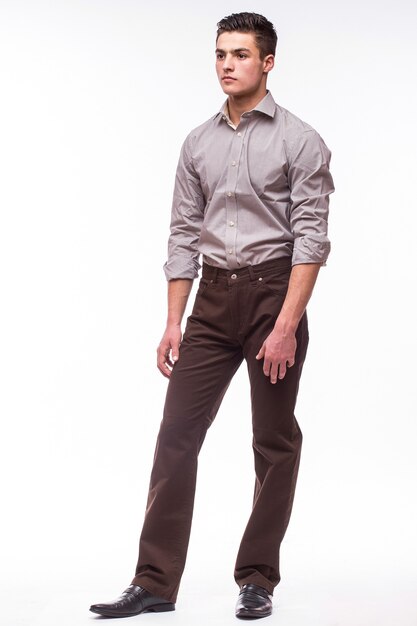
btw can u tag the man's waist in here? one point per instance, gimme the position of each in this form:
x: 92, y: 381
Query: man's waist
x: 212, y: 272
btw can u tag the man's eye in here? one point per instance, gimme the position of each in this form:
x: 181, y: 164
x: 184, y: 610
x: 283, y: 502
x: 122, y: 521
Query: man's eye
x: 219, y: 56
x: 242, y: 56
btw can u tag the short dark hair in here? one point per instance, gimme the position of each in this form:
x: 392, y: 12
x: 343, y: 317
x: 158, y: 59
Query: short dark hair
x: 263, y: 30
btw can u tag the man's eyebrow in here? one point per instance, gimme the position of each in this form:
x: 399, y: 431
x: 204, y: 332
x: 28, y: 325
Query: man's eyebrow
x: 234, y: 51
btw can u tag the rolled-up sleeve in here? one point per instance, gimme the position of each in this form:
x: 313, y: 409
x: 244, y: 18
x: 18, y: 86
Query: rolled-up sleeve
x: 310, y: 184
x: 187, y: 215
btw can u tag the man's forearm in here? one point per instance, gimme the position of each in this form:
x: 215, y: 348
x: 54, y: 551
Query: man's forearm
x: 278, y: 349
x: 168, y: 349
x: 178, y: 293
x: 302, y: 280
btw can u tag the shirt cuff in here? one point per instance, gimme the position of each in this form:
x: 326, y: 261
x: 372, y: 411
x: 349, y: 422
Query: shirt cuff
x: 181, y: 267
x: 310, y: 250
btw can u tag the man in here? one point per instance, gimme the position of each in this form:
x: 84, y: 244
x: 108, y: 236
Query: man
x: 251, y: 195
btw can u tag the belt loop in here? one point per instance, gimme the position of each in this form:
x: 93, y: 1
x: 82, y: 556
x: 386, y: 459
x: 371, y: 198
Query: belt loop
x: 251, y: 272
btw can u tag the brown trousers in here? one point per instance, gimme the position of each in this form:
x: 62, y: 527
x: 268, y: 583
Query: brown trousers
x: 233, y: 313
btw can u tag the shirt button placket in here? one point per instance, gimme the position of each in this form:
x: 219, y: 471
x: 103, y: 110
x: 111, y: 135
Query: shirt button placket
x: 231, y: 200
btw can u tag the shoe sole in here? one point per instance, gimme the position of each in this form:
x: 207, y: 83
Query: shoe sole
x: 155, y: 608
x: 249, y: 615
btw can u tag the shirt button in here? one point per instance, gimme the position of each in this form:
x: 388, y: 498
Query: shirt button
x: 233, y: 163
x: 230, y: 251
x: 230, y: 194
x: 231, y: 223
x: 233, y: 276
x: 239, y: 134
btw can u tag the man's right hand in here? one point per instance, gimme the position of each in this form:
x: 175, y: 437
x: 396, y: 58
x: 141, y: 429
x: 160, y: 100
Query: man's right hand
x: 168, y: 349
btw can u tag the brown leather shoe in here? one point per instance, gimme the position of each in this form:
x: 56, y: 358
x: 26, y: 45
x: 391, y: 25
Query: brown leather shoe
x: 134, y: 600
x: 253, y: 601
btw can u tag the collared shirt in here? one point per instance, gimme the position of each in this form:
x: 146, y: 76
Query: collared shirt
x: 250, y: 193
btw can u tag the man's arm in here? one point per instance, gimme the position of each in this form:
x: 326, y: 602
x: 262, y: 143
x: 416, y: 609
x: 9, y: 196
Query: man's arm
x: 278, y: 349
x: 182, y: 266
x: 187, y: 214
x: 311, y: 184
x: 168, y: 349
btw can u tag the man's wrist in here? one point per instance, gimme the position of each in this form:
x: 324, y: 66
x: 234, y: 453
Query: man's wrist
x: 173, y: 322
x: 286, y: 325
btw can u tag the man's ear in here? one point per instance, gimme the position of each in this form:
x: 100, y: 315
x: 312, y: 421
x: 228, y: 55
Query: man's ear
x: 269, y: 62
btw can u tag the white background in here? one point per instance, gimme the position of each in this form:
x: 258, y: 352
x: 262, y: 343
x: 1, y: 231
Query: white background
x: 97, y: 97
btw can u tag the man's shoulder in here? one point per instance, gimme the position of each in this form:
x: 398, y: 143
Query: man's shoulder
x: 295, y: 130
x: 291, y: 122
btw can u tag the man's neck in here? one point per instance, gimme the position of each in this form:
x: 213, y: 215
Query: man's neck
x: 240, y: 104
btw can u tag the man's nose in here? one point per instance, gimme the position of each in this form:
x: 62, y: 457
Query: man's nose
x: 228, y: 62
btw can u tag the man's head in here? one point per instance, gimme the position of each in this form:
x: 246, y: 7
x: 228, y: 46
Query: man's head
x: 246, y: 44
x: 263, y: 30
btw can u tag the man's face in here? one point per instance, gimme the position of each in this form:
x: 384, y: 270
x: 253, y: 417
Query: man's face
x: 239, y: 67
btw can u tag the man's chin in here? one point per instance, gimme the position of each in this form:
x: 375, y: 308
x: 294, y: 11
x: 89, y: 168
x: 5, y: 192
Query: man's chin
x: 232, y: 90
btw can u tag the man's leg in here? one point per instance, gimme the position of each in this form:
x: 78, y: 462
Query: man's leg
x: 207, y: 363
x: 277, y: 437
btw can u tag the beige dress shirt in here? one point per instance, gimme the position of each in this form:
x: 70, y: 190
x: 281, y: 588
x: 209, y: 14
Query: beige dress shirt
x: 250, y: 193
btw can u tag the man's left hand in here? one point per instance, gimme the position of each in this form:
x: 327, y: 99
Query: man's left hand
x: 278, y: 352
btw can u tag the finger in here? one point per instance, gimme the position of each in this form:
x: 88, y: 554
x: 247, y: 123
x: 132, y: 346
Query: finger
x: 165, y: 371
x: 282, y: 370
x: 163, y: 362
x: 173, y: 355
x: 163, y: 368
x: 291, y: 362
x: 261, y: 352
x: 267, y: 366
x: 169, y: 363
x: 274, y: 373
x: 175, y: 351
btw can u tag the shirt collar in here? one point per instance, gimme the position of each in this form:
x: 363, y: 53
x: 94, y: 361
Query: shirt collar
x: 266, y: 105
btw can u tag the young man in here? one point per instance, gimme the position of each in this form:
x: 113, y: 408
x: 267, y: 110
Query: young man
x: 251, y: 195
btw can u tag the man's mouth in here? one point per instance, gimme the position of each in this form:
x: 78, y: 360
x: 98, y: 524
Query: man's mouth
x: 228, y: 78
